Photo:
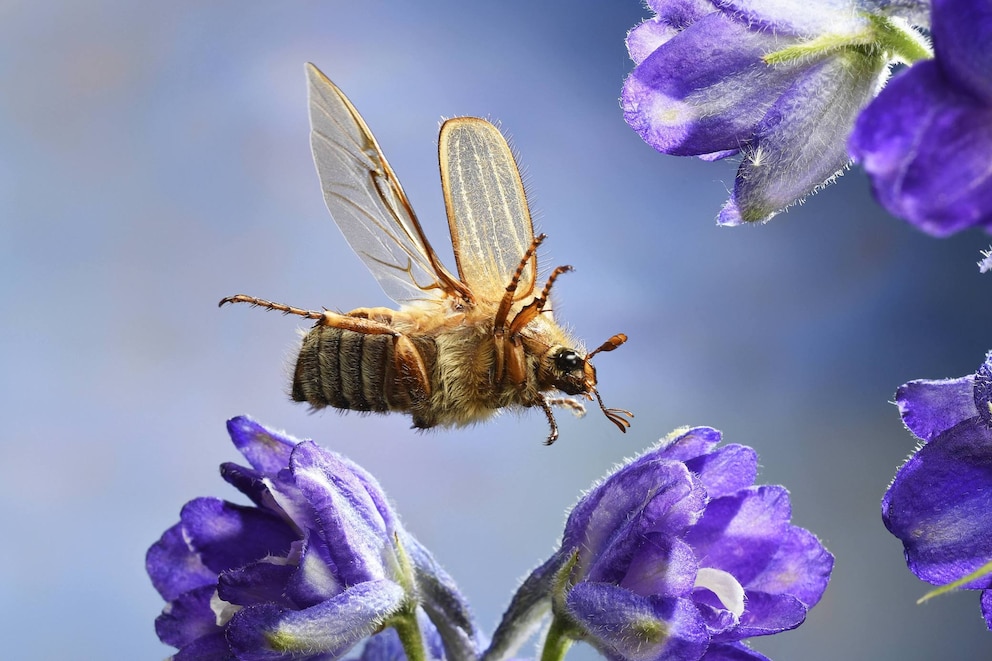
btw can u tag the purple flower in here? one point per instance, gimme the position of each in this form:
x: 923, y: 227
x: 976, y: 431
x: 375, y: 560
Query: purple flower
x: 779, y: 83
x: 676, y: 555
x: 319, y: 563
x: 940, y: 502
x: 926, y: 141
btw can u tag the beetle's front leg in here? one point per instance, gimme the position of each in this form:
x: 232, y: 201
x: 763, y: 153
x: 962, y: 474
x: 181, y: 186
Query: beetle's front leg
x: 576, y: 407
x: 543, y: 403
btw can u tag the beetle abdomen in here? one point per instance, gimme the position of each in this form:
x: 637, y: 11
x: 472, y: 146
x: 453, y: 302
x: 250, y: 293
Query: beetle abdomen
x: 350, y: 370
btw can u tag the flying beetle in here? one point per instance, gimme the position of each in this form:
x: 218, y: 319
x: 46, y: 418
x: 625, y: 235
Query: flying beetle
x: 459, y: 348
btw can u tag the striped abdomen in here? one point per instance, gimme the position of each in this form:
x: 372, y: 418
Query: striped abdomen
x: 350, y: 370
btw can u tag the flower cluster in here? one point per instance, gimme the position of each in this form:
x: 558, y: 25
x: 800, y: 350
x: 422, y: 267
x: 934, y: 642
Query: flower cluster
x: 676, y: 555
x: 317, y: 565
x: 940, y: 502
x: 779, y: 83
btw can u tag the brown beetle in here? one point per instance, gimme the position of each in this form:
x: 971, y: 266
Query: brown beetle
x: 459, y: 349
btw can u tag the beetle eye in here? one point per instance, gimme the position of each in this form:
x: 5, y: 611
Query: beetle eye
x: 567, y: 360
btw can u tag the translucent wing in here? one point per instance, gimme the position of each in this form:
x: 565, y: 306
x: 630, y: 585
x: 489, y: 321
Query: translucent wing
x: 490, y: 222
x: 367, y: 202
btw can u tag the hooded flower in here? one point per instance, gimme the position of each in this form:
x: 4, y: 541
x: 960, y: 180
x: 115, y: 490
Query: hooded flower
x: 940, y: 502
x: 676, y: 555
x: 319, y: 563
x: 778, y: 82
x: 926, y: 141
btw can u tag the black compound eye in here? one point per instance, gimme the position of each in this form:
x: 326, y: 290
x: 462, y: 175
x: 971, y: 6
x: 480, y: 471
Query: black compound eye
x: 567, y: 360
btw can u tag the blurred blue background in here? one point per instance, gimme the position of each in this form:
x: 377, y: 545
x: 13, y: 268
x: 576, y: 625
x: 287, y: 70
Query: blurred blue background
x: 154, y: 157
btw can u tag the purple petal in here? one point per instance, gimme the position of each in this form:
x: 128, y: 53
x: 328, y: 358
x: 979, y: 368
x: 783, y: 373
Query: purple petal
x: 187, y: 618
x: 355, y: 530
x: 673, y: 16
x: 648, y: 37
x: 609, y: 523
x: 706, y: 89
x: 926, y: 147
x: 332, y: 627
x: 208, y: 648
x: 741, y: 534
x: 687, y: 444
x: 680, y: 14
x: 726, y: 470
x: 662, y: 565
x: 174, y: 567
x: 800, y: 567
x: 940, y: 505
x: 800, y: 19
x: 800, y: 143
x: 267, y: 451
x: 766, y: 614
x: 732, y: 652
x: 384, y: 646
x: 257, y: 583
x: 248, y: 481
x: 314, y: 580
x: 719, y: 155
x: 714, y: 612
x: 227, y: 536
x: 986, y: 601
x: 962, y: 32
x: 624, y: 625
x: 929, y: 408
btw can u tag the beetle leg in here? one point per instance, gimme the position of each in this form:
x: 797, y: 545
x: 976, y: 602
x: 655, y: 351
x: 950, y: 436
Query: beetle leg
x: 269, y: 305
x: 577, y: 408
x: 511, y: 289
x: 382, y: 315
x: 515, y: 359
x: 615, y: 415
x: 543, y: 403
x: 409, y: 364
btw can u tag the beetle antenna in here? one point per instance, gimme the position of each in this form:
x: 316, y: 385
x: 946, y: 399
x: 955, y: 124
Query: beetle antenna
x: 609, y: 345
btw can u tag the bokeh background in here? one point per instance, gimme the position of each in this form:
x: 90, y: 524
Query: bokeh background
x: 154, y: 157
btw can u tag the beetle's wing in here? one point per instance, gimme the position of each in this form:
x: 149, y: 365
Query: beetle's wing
x: 488, y: 217
x: 367, y: 202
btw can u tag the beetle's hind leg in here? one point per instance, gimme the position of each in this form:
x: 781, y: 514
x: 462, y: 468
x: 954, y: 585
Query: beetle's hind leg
x: 269, y: 305
x: 411, y: 369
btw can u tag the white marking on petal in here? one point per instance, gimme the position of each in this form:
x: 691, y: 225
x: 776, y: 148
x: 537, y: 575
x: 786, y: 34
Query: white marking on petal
x: 294, y: 515
x: 223, y: 611
x: 724, y: 586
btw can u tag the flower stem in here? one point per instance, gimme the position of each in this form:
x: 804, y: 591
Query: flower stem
x: 556, y: 643
x: 905, y: 44
x: 982, y: 572
x: 896, y: 40
x: 410, y: 636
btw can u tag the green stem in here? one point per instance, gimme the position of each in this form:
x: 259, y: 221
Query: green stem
x: 981, y: 572
x: 897, y: 41
x: 905, y: 44
x: 410, y: 636
x: 556, y: 643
